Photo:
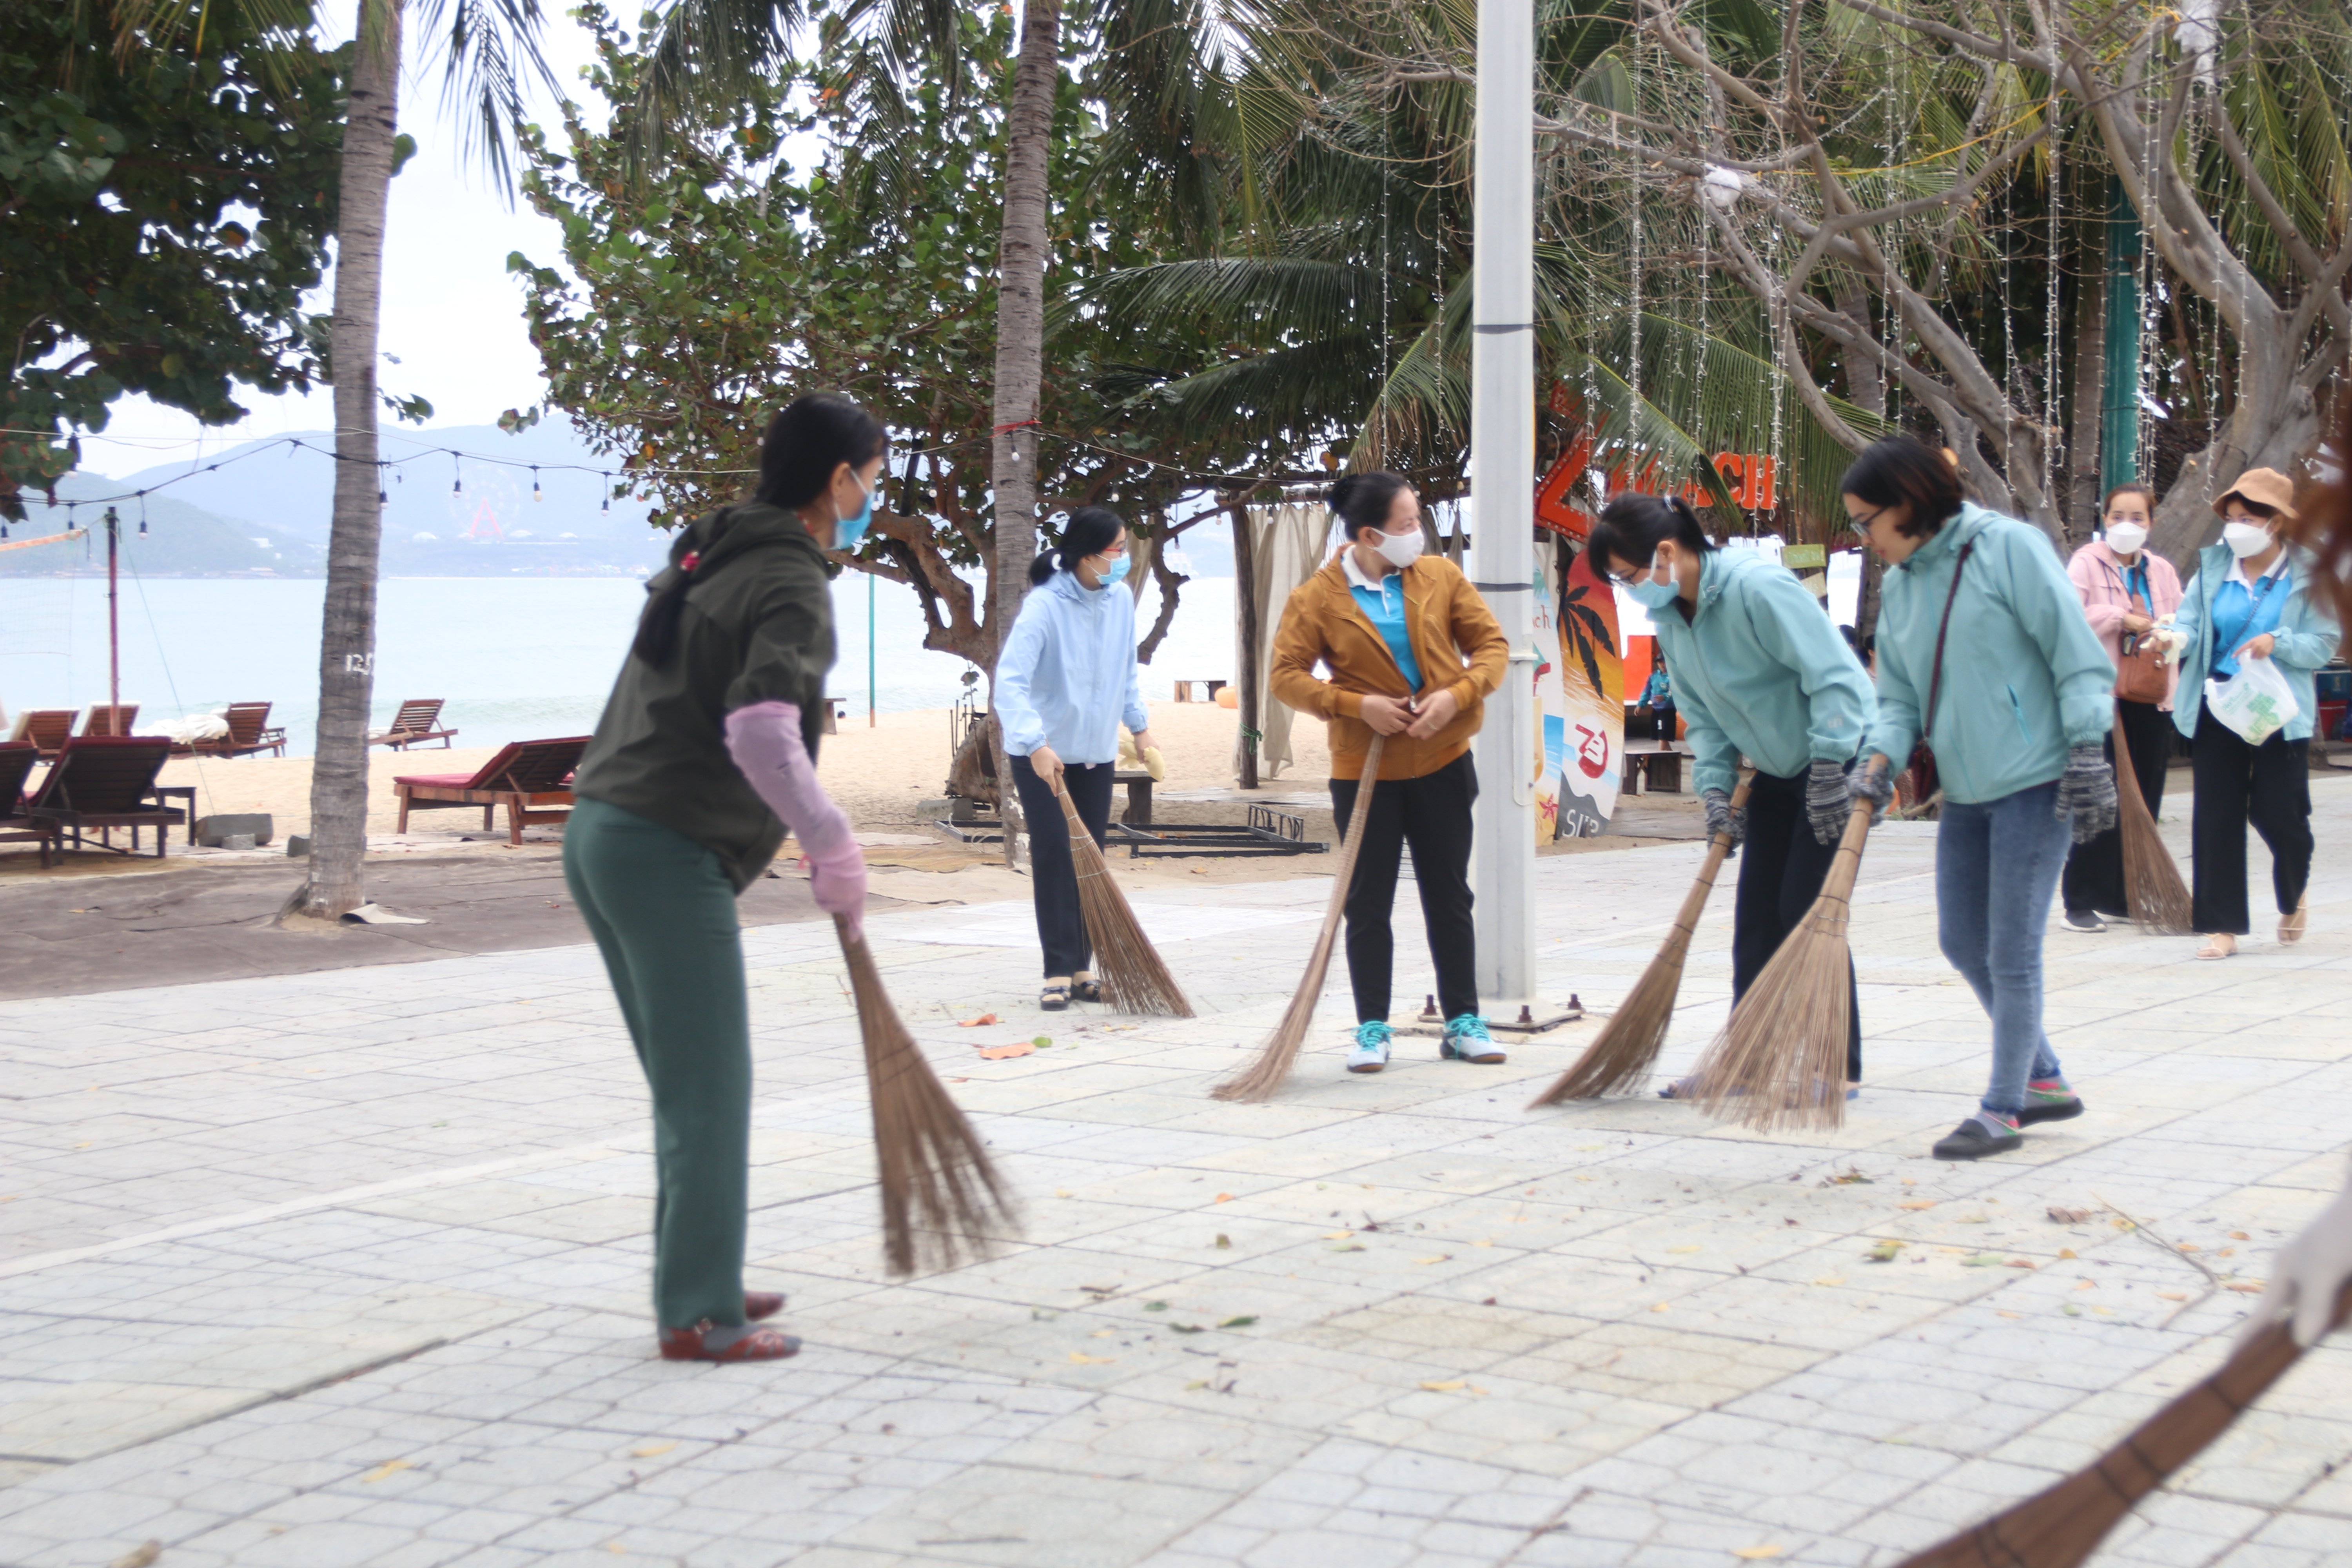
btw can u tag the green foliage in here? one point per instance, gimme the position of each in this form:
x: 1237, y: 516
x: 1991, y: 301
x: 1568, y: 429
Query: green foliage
x: 160, y: 221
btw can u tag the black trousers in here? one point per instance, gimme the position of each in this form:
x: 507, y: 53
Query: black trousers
x: 1431, y: 814
x: 2268, y: 785
x: 2094, y: 879
x: 1782, y: 869
x: 1053, y: 875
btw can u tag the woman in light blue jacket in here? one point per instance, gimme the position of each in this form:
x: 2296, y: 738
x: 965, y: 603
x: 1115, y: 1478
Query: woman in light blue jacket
x: 2251, y: 599
x: 1064, y: 682
x: 1984, y: 653
x: 1760, y: 672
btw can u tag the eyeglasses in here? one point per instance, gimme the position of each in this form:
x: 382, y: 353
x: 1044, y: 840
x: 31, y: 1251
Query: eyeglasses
x: 1861, y: 525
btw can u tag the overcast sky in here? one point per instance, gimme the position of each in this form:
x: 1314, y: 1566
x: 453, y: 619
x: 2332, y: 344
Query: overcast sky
x: 452, y: 313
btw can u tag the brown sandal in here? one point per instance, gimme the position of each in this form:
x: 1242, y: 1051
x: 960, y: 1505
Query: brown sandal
x: 2291, y: 927
x: 760, y: 1344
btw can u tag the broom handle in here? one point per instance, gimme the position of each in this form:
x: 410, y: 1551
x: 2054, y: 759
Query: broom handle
x: 1718, y: 849
x: 1839, y: 883
x: 2126, y: 778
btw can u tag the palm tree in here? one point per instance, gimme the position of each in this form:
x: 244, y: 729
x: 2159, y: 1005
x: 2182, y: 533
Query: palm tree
x: 488, y: 46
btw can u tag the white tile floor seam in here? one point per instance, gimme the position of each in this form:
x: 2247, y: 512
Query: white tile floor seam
x: 298, y: 1271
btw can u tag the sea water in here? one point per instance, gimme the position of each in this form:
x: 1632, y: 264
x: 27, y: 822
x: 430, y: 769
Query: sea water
x: 514, y: 659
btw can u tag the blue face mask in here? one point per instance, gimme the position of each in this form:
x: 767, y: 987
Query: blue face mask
x: 848, y: 530
x: 1115, y: 573
x: 1652, y: 594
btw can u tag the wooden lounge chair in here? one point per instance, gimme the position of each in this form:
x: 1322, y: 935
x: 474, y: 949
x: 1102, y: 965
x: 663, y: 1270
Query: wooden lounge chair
x: 527, y: 777
x: 17, y: 825
x: 48, y: 728
x: 106, y: 782
x: 109, y: 720
x: 249, y: 732
x: 418, y: 720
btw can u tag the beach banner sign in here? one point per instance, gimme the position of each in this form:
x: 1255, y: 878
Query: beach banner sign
x: 1753, y: 479
x: 1588, y: 734
x: 1551, y: 694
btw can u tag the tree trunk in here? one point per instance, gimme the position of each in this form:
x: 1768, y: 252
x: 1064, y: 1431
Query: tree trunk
x: 1865, y: 380
x: 1021, y: 339
x: 339, y: 771
x: 2082, y: 454
x: 1246, y: 615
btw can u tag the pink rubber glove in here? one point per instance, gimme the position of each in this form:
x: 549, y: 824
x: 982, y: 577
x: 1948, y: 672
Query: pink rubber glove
x: 764, y: 738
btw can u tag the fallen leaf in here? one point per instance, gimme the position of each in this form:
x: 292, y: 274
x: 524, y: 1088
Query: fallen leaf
x: 1339, y: 1234
x: 2239, y: 1236
x: 2071, y: 1309
x: 1981, y: 1261
x: 1830, y: 1280
x: 1080, y: 1358
x: 976, y: 1023
x: 1756, y: 1554
x: 2123, y: 1224
x: 389, y: 1468
x: 1186, y: 1329
x: 1917, y: 1204
x: 1446, y: 1387
x: 1974, y: 1219
x: 2248, y: 1287
x: 2227, y: 1252
x: 2070, y: 1216
x: 1225, y: 1197
x: 2103, y: 1311
x: 999, y: 1053
x: 1223, y: 1240
x: 2083, y: 1285
x: 1441, y: 1257
x: 2172, y: 1295
x: 2022, y: 1263
x: 1042, y: 1040
x: 2009, y: 1315
x: 651, y: 1450
x: 1061, y: 1192
x: 1482, y: 1244
x: 2066, y: 1252
x: 1909, y: 1182
x: 1884, y: 1251
x: 1662, y: 1307
x: 2189, y: 1246
x: 1155, y: 1306
x: 1196, y: 1383
x: 1349, y: 1246
x: 1102, y: 1333
x: 616, y: 1549
x: 1692, y: 1247
x: 1242, y: 1321
x: 146, y: 1552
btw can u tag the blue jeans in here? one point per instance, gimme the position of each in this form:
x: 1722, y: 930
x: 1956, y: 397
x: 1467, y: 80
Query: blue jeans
x: 1997, y: 865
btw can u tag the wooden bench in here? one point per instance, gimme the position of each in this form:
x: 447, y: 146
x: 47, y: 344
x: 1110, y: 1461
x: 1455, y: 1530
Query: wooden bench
x: 1208, y: 689
x: 1654, y: 764
x: 1139, y: 796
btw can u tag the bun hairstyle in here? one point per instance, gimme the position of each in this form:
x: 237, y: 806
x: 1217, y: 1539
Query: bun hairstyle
x: 1090, y: 530
x: 1632, y: 527
x: 803, y: 446
x: 1363, y: 501
x: 1902, y: 470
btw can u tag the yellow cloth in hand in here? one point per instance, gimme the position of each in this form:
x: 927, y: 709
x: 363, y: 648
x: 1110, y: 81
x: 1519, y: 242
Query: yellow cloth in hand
x: 1150, y: 762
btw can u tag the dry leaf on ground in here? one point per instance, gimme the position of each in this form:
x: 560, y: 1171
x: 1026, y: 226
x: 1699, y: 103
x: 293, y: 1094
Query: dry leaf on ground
x: 976, y: 1023
x: 651, y: 1450
x: 2069, y: 1216
x: 389, y: 1468
x: 998, y: 1053
x: 1448, y: 1387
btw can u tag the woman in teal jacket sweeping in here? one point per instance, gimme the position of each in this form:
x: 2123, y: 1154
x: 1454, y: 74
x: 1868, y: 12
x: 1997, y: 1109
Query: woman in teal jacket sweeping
x: 2251, y: 599
x: 1984, y: 653
x: 1759, y: 671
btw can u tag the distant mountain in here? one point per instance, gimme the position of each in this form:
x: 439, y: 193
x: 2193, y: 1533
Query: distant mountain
x: 182, y: 541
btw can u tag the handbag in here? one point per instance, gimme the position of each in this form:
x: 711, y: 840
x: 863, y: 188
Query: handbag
x: 1924, y: 782
x: 2140, y: 675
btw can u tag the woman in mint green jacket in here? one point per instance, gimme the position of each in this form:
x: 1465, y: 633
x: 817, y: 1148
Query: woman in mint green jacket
x: 2251, y: 599
x: 1758, y: 671
x: 1983, y: 652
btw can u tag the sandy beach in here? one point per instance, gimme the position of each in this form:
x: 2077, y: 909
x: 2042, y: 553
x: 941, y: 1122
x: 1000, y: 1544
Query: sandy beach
x: 879, y: 775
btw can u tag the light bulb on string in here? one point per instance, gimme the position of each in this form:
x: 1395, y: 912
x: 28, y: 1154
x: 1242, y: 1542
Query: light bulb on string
x: 143, y: 514
x: 456, y: 479
x: 535, y: 484
x: 381, y: 498
x: 607, y: 508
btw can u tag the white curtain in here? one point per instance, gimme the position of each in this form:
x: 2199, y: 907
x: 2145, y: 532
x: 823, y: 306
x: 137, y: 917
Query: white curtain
x: 1286, y: 549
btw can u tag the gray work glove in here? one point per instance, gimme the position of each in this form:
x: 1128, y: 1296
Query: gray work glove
x: 1829, y: 801
x: 1875, y: 786
x: 1722, y: 816
x: 2087, y: 791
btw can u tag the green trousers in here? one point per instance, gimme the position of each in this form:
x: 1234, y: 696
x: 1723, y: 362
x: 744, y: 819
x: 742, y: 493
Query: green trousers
x: 663, y: 914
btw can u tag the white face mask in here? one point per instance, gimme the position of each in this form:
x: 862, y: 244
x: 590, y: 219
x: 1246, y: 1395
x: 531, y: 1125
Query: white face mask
x: 2126, y: 538
x: 1399, y: 550
x: 2246, y: 539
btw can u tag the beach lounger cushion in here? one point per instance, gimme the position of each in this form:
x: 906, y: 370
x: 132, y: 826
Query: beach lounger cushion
x: 106, y: 782
x: 530, y: 778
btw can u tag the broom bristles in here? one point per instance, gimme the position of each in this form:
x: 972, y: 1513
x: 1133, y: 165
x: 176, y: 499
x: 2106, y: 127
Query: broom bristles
x: 2152, y: 884
x: 1779, y: 1062
x: 2063, y: 1524
x: 1628, y: 1043
x: 1263, y: 1077
x: 1126, y: 967
x: 943, y: 1201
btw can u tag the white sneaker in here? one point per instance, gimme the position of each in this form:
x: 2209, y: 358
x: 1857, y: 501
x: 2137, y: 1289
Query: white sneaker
x: 1371, y: 1052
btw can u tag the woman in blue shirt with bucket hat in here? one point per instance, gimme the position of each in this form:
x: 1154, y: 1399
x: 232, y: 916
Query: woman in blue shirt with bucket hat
x: 2251, y: 599
x: 1984, y: 653
x: 1758, y: 671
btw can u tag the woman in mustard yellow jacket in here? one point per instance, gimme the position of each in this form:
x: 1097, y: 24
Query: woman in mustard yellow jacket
x: 1412, y: 652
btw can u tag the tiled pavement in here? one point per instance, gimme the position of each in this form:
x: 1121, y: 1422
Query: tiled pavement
x: 350, y: 1267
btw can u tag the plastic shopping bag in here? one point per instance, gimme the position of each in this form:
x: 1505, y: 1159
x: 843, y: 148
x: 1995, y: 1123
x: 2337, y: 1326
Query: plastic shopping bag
x: 2257, y: 703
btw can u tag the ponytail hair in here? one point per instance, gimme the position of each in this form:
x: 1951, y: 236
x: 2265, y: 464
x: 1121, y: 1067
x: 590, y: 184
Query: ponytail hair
x: 804, y: 446
x: 1089, y: 530
x: 1364, y: 501
x: 1632, y: 527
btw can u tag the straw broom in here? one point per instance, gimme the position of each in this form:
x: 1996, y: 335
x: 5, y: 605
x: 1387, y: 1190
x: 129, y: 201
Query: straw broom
x: 1629, y: 1042
x: 1261, y: 1077
x: 1779, y: 1062
x: 2152, y: 884
x: 2063, y: 1525
x: 1126, y: 967
x: 941, y: 1194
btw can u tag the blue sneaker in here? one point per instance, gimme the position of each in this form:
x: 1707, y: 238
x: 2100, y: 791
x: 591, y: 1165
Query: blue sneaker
x: 1371, y: 1052
x: 1466, y: 1040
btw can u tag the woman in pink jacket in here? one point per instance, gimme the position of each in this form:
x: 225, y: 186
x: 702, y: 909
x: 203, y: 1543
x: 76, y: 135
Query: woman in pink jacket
x: 2126, y: 592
